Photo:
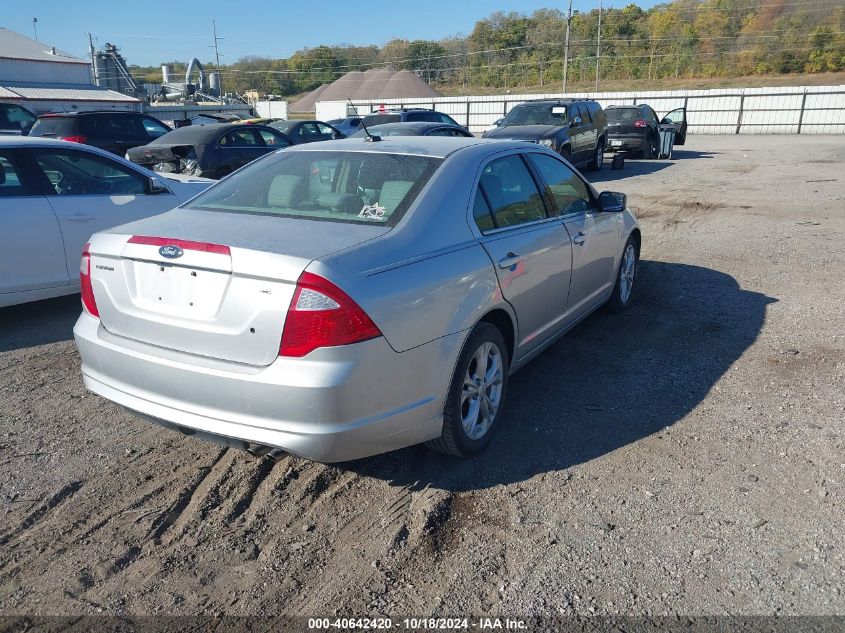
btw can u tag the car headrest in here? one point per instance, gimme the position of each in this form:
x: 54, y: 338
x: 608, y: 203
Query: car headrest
x: 284, y: 191
x: 392, y: 194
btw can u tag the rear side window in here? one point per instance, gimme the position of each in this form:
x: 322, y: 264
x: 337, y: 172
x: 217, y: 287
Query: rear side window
x: 355, y: 187
x: 54, y: 126
x: 154, y: 128
x: 568, y: 191
x: 481, y: 212
x: 271, y: 139
x: 11, y: 183
x: 77, y: 173
x: 511, y: 192
x: 239, y: 138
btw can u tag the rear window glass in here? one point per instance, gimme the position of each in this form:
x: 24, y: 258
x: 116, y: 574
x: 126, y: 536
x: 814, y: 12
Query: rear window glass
x: 355, y: 187
x: 622, y: 114
x: 54, y: 125
x: 378, y: 119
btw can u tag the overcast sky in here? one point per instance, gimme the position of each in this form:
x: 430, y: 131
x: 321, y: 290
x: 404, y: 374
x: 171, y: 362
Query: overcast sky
x: 152, y: 32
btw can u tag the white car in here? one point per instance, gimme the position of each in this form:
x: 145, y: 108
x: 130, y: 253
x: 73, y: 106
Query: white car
x: 54, y: 195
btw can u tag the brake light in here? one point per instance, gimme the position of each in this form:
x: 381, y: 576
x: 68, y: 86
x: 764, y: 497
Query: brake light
x: 322, y: 315
x: 77, y: 138
x: 88, y: 301
x: 187, y: 245
x: 640, y: 123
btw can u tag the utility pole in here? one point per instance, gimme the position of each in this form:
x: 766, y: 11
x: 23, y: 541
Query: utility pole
x: 566, y: 47
x: 598, y: 47
x: 35, y: 28
x: 217, y: 55
x: 93, y: 61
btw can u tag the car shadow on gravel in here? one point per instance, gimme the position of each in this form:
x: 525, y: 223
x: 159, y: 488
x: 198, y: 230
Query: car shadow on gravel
x: 614, y: 379
x: 638, y: 166
x: 38, y: 322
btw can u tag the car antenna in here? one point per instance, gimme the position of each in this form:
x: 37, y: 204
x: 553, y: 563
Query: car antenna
x: 369, y: 138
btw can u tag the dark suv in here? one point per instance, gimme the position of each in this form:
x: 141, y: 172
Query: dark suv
x: 404, y: 115
x: 115, y: 132
x: 574, y: 128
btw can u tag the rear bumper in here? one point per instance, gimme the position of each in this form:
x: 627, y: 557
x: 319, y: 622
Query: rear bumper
x: 620, y: 142
x: 337, y: 404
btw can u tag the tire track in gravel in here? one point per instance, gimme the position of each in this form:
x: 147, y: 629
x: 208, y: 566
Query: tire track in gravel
x: 39, y: 513
x: 166, y: 520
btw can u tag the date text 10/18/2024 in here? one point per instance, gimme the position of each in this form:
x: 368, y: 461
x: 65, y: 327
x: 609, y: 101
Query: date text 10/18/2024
x: 418, y: 624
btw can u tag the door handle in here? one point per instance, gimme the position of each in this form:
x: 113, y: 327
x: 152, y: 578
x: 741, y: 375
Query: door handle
x: 510, y: 260
x: 79, y: 217
x: 580, y: 237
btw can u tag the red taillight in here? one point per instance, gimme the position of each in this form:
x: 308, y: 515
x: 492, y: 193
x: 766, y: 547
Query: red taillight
x: 85, y: 283
x: 322, y: 315
x: 640, y: 123
x: 77, y: 138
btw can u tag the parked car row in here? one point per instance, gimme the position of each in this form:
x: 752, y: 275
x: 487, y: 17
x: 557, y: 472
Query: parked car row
x: 581, y: 131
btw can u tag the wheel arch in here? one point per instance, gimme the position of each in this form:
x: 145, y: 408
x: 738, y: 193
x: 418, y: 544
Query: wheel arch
x: 502, y: 320
x: 636, y: 236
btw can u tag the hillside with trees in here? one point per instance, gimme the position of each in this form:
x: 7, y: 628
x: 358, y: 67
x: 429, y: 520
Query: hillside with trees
x: 680, y: 40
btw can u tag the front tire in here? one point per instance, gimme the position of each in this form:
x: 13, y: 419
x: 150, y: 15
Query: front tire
x: 476, y: 394
x: 623, y: 291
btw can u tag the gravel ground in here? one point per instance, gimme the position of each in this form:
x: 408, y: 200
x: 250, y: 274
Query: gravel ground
x: 686, y: 457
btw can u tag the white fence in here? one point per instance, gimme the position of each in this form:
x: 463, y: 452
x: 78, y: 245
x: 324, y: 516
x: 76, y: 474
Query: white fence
x: 272, y: 109
x: 788, y: 110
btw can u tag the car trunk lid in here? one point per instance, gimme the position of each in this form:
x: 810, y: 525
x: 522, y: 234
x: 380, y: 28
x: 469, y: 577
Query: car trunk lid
x: 220, y: 289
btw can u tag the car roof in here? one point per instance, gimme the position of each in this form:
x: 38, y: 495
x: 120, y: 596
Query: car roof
x: 434, y: 146
x: 89, y: 113
x: 411, y: 125
x: 38, y: 141
x: 199, y: 133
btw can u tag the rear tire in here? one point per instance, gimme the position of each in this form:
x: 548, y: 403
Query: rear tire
x: 648, y: 148
x: 598, y: 157
x: 476, y: 394
x: 623, y: 290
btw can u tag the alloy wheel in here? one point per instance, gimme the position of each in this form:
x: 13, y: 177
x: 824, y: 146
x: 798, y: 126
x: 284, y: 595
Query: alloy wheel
x: 627, y: 271
x: 482, y: 390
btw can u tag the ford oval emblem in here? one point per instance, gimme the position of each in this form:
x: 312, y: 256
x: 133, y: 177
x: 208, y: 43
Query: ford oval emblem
x: 171, y: 251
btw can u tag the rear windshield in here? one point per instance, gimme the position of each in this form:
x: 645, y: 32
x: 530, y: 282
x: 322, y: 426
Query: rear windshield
x: 378, y: 119
x: 355, y: 187
x: 622, y: 114
x: 54, y: 126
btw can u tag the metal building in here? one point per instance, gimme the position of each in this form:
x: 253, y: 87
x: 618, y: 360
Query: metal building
x: 44, y: 79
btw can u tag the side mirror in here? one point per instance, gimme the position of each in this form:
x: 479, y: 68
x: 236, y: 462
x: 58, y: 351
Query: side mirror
x: 575, y: 121
x: 612, y: 202
x: 498, y: 122
x: 154, y: 187
x: 337, y: 135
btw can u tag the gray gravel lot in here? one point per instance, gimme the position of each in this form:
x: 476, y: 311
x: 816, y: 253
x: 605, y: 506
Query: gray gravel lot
x: 685, y: 457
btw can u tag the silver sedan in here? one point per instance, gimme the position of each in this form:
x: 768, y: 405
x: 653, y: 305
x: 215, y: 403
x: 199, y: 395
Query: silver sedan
x: 342, y: 299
